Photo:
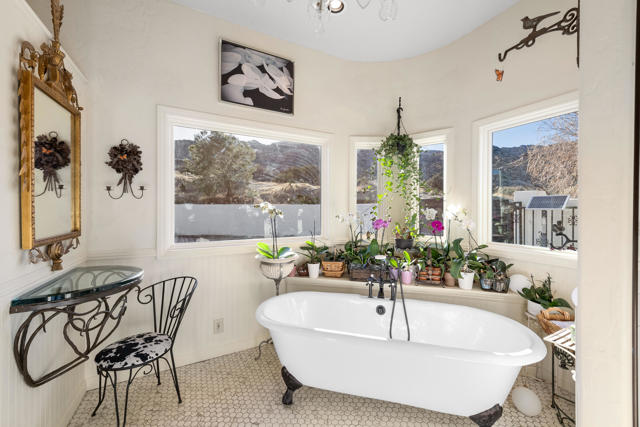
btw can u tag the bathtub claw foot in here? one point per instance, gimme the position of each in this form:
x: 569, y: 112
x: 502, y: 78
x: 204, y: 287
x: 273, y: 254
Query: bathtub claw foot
x: 488, y: 417
x: 292, y: 385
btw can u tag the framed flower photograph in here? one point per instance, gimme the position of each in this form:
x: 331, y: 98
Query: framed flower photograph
x: 255, y: 78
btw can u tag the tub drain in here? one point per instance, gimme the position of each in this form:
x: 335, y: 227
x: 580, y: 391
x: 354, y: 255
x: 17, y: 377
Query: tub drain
x: 380, y: 310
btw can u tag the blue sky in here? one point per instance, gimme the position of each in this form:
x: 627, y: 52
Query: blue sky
x: 527, y: 134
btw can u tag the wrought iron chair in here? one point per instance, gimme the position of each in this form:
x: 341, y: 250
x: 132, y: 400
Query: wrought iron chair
x: 169, y: 299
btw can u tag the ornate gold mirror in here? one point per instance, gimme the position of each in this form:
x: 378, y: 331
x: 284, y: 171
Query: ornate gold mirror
x: 49, y: 150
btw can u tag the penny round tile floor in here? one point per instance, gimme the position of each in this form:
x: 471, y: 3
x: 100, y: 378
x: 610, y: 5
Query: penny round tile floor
x: 236, y: 390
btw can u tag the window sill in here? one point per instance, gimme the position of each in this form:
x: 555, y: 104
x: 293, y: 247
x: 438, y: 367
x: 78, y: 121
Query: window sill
x: 228, y: 247
x: 535, y: 255
x: 344, y: 285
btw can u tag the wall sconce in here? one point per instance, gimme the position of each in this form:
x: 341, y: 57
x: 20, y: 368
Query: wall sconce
x: 51, y: 155
x: 126, y: 159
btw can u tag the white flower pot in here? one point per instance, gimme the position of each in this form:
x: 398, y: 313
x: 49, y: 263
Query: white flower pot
x: 276, y: 268
x: 314, y: 270
x: 466, y: 282
x: 533, y: 308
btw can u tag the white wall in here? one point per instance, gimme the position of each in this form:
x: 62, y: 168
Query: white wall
x: 53, y: 403
x: 139, y: 54
x: 456, y: 86
x: 142, y: 53
x: 606, y: 179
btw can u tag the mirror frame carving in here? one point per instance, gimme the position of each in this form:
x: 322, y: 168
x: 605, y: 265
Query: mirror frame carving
x: 45, y: 70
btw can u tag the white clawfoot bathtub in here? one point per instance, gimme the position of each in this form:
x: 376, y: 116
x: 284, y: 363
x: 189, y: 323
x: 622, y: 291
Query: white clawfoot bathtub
x: 460, y: 360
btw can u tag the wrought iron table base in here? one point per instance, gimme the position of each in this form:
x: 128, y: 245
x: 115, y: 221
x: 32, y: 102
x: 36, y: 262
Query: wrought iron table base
x: 566, y: 362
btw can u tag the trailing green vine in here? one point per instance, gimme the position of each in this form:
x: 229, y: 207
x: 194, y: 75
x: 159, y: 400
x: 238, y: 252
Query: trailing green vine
x: 398, y: 156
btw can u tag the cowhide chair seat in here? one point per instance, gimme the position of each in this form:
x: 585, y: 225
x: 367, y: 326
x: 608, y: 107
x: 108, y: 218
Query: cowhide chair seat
x: 142, y: 353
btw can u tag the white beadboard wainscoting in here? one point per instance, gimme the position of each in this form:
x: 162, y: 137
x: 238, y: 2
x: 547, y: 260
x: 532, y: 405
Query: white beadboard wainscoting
x: 53, y: 403
x: 230, y: 287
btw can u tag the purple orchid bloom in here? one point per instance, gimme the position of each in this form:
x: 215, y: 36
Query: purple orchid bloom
x: 380, y: 223
x: 437, y: 226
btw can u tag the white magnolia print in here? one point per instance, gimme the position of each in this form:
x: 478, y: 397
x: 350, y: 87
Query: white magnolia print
x: 250, y: 70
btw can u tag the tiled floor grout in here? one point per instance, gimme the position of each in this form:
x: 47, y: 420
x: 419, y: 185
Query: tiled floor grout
x: 235, y: 390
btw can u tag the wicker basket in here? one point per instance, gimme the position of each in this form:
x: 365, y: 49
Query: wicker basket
x: 546, y: 316
x: 361, y: 273
x: 333, y: 268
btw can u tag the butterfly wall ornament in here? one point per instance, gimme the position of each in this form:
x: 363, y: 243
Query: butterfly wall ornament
x: 499, y: 74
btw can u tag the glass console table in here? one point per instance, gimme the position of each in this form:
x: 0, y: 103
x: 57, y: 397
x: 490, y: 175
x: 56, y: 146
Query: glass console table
x: 82, y: 298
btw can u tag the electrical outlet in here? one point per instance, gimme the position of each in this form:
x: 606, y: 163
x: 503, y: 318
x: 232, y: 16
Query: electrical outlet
x: 218, y: 326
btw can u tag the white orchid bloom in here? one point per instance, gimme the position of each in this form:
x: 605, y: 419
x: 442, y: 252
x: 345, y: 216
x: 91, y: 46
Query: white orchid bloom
x: 340, y: 218
x: 469, y: 224
x: 430, y: 214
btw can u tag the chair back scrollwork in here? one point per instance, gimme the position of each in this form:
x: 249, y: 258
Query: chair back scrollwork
x: 169, y: 300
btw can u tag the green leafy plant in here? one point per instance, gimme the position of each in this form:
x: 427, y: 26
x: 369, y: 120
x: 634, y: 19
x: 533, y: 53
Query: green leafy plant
x: 354, y: 222
x: 363, y: 255
x: 313, y: 251
x: 398, y: 158
x: 543, y: 294
x: 272, y: 252
x: 335, y: 255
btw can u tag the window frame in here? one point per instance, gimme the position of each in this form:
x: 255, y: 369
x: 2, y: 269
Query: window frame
x: 483, y: 163
x: 436, y: 137
x: 167, y: 118
x: 360, y: 143
x: 439, y: 136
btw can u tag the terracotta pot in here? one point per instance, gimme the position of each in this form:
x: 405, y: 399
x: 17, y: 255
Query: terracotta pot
x: 449, y: 280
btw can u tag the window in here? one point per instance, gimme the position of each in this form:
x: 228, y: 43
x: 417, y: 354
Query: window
x: 366, y: 185
x: 432, y: 165
x: 531, y: 178
x: 367, y: 182
x: 219, y: 168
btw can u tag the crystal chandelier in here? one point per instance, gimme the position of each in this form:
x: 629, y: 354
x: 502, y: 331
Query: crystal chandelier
x: 320, y: 10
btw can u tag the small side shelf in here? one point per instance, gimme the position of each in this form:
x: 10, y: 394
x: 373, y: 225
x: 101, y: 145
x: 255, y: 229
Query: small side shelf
x: 508, y: 304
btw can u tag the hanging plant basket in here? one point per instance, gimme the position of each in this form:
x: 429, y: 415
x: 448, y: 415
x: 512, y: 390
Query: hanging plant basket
x: 397, y: 156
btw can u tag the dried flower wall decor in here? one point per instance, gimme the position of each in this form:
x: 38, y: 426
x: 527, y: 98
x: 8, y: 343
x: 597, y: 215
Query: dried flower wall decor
x: 51, y: 155
x: 126, y: 159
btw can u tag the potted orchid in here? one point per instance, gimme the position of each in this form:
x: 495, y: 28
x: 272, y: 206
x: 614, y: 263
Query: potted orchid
x: 314, y: 252
x: 354, y: 222
x: 404, y: 264
x: 275, y: 262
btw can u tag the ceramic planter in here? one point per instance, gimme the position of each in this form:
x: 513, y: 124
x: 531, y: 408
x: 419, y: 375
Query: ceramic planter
x: 533, y: 308
x: 276, y: 268
x: 314, y: 270
x: 466, y: 281
x: 486, y: 284
x: 406, y: 277
x: 404, y: 243
x: 501, y: 285
x: 394, y: 273
x: 449, y: 280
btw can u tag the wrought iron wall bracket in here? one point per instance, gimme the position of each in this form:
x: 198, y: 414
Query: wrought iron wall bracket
x: 569, y: 24
x: 85, y: 329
